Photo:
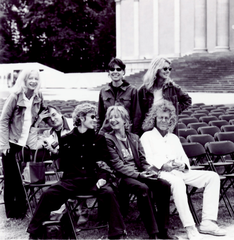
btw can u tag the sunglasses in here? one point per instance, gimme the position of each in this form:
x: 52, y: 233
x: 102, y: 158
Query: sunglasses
x: 167, y: 68
x: 93, y: 116
x: 117, y: 69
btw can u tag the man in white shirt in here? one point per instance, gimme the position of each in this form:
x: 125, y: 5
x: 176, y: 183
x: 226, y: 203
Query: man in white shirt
x: 164, y: 151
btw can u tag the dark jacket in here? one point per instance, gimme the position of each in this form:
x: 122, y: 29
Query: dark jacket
x: 127, y: 96
x: 79, y: 153
x: 171, y: 91
x: 116, y: 157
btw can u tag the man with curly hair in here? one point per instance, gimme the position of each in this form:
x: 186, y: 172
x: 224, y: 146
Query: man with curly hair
x: 165, y: 153
x: 79, y: 152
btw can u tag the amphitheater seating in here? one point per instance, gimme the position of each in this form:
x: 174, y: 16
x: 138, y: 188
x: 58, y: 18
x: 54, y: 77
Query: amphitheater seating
x: 218, y: 123
x: 197, y: 125
x: 227, y: 117
x: 207, y: 118
x: 208, y: 130
x: 227, y: 128
x: 188, y: 120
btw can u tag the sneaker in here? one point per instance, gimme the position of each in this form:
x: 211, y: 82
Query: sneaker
x: 193, y: 233
x: 211, y: 228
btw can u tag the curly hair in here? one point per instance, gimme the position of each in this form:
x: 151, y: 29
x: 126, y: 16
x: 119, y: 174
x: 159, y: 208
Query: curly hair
x: 82, y: 110
x: 151, y: 75
x: 20, y: 84
x: 164, y: 106
x: 123, y: 113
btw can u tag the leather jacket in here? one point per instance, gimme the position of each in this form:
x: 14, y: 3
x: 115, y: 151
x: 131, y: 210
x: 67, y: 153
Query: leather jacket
x: 126, y: 96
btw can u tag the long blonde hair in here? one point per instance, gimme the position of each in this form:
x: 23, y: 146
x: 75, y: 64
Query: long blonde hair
x: 150, y: 76
x: 20, y: 84
x: 165, y: 106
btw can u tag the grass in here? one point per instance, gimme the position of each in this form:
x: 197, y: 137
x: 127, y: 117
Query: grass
x: 16, y: 228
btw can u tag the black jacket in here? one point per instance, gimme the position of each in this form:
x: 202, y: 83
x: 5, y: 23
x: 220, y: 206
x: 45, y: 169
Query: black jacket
x: 79, y: 153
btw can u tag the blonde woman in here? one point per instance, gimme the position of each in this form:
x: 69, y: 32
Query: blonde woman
x: 20, y: 111
x: 157, y: 86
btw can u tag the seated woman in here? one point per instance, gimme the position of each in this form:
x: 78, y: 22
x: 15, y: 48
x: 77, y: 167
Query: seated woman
x: 128, y: 160
x: 164, y: 152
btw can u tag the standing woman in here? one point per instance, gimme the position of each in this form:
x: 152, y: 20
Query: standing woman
x: 157, y: 86
x: 118, y: 92
x: 19, y: 113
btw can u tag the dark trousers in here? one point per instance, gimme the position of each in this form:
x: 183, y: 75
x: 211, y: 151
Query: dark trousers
x: 56, y: 195
x: 153, y: 222
x: 14, y: 195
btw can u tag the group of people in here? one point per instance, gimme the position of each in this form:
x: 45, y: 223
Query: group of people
x: 132, y: 131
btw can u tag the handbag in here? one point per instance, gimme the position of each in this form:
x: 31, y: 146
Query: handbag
x: 34, y: 172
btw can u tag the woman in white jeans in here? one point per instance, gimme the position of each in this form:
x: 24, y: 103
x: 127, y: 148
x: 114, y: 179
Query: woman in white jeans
x: 165, y: 154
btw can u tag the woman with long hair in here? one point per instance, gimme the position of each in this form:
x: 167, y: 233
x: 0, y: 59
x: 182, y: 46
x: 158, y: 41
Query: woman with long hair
x: 157, y: 85
x: 128, y: 160
x: 20, y: 111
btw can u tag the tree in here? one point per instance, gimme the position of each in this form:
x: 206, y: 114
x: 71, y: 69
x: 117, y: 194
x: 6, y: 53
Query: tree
x: 68, y: 35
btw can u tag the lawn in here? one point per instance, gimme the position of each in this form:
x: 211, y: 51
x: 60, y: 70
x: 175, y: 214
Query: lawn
x: 16, y: 229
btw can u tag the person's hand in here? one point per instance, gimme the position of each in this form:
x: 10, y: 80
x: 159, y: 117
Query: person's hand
x: 101, y: 182
x: 148, y: 174
x: 44, y: 114
x: 170, y: 165
x: 180, y: 166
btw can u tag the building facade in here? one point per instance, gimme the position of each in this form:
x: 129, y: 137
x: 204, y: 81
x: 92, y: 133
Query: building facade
x: 172, y: 28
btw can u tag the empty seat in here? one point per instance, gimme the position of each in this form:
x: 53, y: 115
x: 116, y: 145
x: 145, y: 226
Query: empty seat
x: 181, y: 125
x: 227, y: 117
x: 208, y: 130
x: 231, y: 121
x: 198, y: 104
x: 189, y: 112
x: 201, y: 138
x: 186, y: 121
x: 216, y: 114
x: 207, y: 118
x: 197, y: 125
x: 183, y: 116
x: 231, y: 111
x: 209, y: 108
x: 202, y: 111
x: 227, y: 128
x: 218, y: 123
x: 198, y: 115
x: 182, y: 139
x: 186, y: 132
x: 224, y: 136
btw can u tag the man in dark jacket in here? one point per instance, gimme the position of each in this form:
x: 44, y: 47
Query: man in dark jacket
x: 119, y: 92
x: 79, y: 151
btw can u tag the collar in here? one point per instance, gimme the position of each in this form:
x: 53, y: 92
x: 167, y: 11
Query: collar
x: 155, y: 131
x: 21, y: 98
x: 123, y: 86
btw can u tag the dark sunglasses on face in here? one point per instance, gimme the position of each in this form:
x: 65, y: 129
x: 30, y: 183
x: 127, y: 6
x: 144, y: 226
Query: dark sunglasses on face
x: 117, y: 69
x: 167, y: 68
x: 93, y: 116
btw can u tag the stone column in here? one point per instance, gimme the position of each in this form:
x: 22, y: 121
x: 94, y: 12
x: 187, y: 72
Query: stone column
x: 200, y: 44
x: 222, y: 25
x: 155, y: 27
x: 177, y: 28
x: 118, y: 27
x: 136, y: 29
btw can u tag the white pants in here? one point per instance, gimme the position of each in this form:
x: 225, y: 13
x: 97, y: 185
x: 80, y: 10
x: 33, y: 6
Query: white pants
x: 199, y: 179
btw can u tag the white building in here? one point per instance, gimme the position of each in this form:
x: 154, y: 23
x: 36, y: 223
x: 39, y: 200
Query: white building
x: 173, y: 28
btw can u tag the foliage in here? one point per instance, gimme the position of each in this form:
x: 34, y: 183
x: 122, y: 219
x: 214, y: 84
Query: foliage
x: 69, y: 35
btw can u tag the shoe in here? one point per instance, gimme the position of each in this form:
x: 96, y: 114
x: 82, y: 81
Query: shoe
x: 211, y: 228
x: 193, y: 233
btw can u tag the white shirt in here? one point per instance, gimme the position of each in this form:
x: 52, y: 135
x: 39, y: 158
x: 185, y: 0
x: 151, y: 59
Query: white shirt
x: 158, y: 97
x: 159, y: 149
x: 27, y: 121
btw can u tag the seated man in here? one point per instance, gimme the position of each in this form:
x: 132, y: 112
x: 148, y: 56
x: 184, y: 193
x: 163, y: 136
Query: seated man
x: 79, y: 151
x: 165, y: 153
x: 58, y: 123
